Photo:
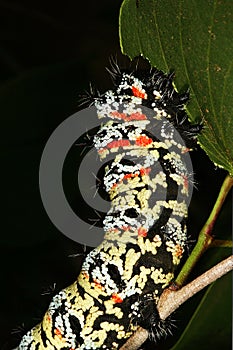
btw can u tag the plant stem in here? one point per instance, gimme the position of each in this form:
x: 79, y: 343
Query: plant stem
x: 205, y: 237
x: 136, y: 340
x: 170, y: 300
x: 221, y: 243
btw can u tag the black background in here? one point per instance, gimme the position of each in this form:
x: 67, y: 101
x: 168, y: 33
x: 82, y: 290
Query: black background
x: 49, y: 52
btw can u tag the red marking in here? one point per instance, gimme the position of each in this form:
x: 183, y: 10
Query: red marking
x: 98, y: 285
x: 125, y: 228
x: 129, y: 176
x: 137, y: 116
x: 186, y: 183
x: 125, y: 177
x: 58, y: 333
x: 138, y: 93
x: 85, y: 275
x: 116, y: 298
x: 133, y: 116
x: 119, y: 143
x: 143, y: 141
x: 142, y: 232
x: 48, y: 318
x: 144, y: 171
x: 178, y: 251
x: 114, y: 230
x: 185, y: 150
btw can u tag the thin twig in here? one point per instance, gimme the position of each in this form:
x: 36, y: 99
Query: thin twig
x: 136, y: 340
x: 170, y: 300
x: 205, y: 238
x: 221, y: 243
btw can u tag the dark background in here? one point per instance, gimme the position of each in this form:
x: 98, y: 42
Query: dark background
x: 49, y: 52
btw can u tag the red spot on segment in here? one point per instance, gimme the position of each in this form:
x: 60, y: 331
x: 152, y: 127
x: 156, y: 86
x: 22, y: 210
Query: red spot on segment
x: 138, y: 93
x: 116, y: 298
x: 85, y: 275
x: 114, y: 230
x: 186, y: 183
x: 143, y: 141
x: 142, y: 171
x: 98, y: 285
x: 145, y: 171
x: 125, y: 177
x: 133, y: 116
x: 129, y: 176
x: 125, y: 228
x: 178, y: 251
x: 49, y: 319
x: 137, y: 116
x: 185, y: 150
x: 118, y: 143
x: 142, y: 232
x: 58, y: 333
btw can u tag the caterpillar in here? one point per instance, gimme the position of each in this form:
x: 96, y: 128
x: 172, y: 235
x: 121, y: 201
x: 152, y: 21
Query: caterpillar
x: 146, y: 133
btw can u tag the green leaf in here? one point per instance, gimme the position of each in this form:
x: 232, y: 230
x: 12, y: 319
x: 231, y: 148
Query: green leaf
x: 194, y: 38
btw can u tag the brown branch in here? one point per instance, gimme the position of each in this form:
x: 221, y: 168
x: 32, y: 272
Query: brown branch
x: 170, y: 300
x: 205, y: 238
x: 136, y: 340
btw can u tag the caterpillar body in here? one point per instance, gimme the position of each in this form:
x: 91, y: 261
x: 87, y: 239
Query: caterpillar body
x: 145, y: 229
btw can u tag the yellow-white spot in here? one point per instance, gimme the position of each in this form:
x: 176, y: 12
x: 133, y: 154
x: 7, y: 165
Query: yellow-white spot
x: 160, y: 278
